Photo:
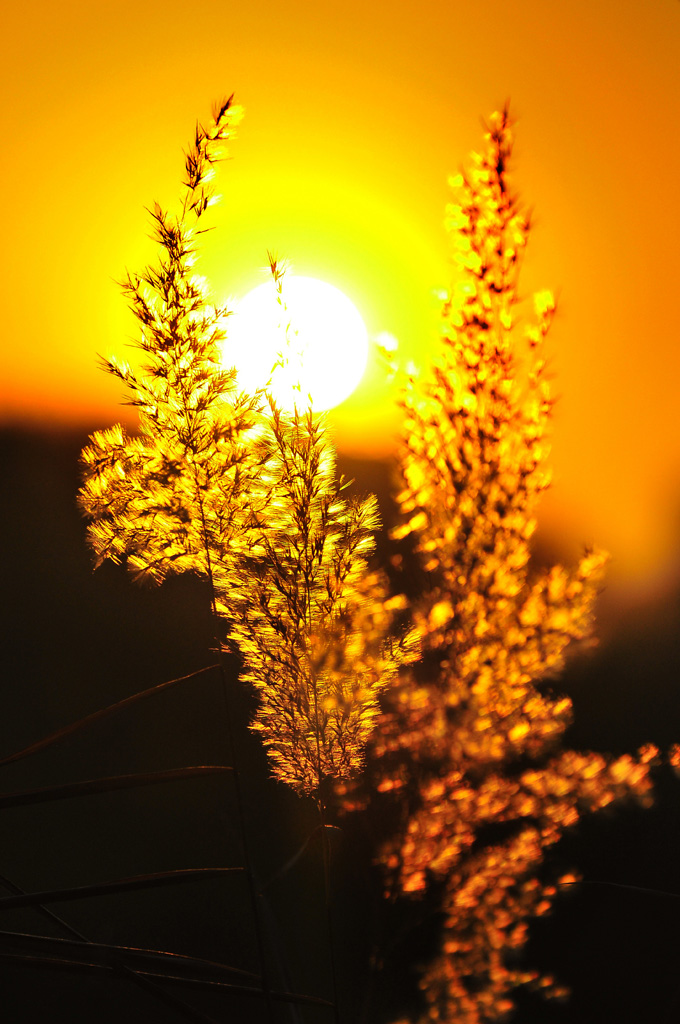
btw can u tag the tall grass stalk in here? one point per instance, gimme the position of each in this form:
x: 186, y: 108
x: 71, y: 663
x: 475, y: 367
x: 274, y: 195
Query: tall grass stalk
x: 466, y: 762
x: 227, y: 485
x: 176, y: 497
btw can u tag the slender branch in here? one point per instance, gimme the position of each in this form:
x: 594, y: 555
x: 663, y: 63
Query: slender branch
x: 68, y: 730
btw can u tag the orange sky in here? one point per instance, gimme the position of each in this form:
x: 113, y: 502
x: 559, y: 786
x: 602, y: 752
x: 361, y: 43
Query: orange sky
x: 356, y: 113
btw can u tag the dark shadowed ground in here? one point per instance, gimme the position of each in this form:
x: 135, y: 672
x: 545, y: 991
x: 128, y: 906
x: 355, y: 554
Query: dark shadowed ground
x: 75, y: 641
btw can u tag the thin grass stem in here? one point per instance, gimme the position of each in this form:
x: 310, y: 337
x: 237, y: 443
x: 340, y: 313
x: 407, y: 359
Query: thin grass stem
x: 64, y: 962
x: 84, y: 892
x: 139, y: 979
x: 247, y: 861
x: 96, y: 716
x: 108, y: 784
x: 326, y: 856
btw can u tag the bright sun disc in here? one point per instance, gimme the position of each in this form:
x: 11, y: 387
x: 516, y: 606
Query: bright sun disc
x: 324, y: 355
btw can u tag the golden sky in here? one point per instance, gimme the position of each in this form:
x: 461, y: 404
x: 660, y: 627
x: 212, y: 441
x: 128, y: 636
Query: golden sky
x: 356, y: 113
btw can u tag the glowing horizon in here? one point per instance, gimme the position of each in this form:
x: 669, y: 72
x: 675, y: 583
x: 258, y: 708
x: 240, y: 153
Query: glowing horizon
x: 355, y: 117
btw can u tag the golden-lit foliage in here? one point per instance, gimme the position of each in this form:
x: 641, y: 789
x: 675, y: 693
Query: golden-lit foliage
x: 463, y: 731
x: 175, y: 497
x: 467, y: 750
x: 223, y: 484
x: 312, y: 620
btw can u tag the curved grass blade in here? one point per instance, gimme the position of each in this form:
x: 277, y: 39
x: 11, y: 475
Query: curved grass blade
x: 109, y: 955
x: 108, y: 784
x: 82, y: 723
x: 292, y: 861
x: 40, y: 950
x: 169, y: 998
x: 84, y: 892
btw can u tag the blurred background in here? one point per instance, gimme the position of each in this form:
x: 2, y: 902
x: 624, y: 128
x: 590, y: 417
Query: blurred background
x: 355, y: 115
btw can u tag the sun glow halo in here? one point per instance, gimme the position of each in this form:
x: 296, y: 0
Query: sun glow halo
x: 323, y: 353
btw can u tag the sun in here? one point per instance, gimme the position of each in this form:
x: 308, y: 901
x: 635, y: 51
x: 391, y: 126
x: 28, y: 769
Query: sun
x: 313, y: 347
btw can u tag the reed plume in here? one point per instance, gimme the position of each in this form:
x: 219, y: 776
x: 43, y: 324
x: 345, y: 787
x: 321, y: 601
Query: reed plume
x: 226, y: 485
x: 467, y: 754
x: 176, y: 496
